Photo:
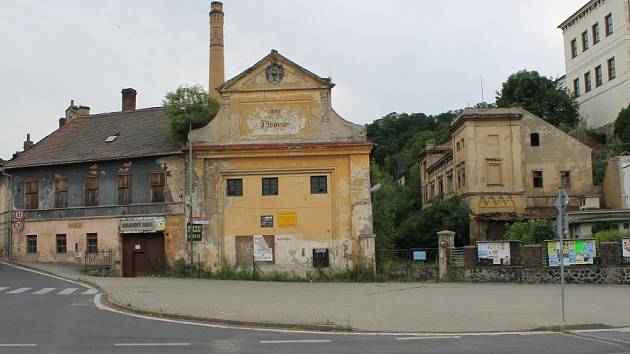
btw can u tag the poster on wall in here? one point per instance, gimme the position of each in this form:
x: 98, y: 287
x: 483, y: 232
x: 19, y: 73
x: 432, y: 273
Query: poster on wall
x: 573, y: 252
x: 625, y: 247
x: 262, y: 251
x: 495, y: 253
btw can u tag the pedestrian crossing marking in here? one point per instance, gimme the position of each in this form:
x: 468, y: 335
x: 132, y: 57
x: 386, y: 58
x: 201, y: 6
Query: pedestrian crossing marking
x: 43, y: 291
x: 18, y: 290
x: 67, y: 291
x: 90, y: 292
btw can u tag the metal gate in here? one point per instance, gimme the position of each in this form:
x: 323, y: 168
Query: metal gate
x: 456, y: 256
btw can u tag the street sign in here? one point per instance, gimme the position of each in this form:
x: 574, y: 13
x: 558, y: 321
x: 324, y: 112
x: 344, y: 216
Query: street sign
x: 19, y: 215
x: 201, y: 222
x: 195, y: 232
x: 18, y: 225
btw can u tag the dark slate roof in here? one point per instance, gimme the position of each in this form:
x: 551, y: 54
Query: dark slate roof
x: 141, y: 132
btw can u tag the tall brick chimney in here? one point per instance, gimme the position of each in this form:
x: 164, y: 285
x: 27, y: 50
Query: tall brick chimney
x: 217, y: 75
x: 28, y: 143
x: 128, y: 99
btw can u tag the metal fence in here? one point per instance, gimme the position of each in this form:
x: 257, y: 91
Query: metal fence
x: 98, y: 262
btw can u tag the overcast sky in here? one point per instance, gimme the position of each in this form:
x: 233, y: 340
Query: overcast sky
x: 384, y: 56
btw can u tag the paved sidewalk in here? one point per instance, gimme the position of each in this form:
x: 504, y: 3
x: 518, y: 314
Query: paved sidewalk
x: 391, y: 307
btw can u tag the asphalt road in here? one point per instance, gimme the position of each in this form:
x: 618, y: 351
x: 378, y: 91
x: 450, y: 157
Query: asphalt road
x: 40, y: 314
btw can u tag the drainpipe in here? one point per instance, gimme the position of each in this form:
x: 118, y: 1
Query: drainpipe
x: 10, y: 211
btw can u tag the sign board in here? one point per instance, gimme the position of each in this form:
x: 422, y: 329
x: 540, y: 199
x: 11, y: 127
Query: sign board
x: 287, y: 219
x: 496, y: 253
x: 201, y: 222
x: 625, y: 247
x: 262, y: 251
x: 419, y: 255
x: 266, y: 221
x: 573, y: 252
x: 195, y: 232
x: 142, y: 225
x: 18, y: 225
x: 19, y: 215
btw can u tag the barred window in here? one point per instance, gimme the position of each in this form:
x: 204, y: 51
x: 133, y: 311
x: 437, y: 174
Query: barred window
x: 61, y: 193
x: 124, y: 189
x: 235, y: 187
x: 91, y: 191
x: 319, y: 185
x: 270, y: 186
x: 158, y: 181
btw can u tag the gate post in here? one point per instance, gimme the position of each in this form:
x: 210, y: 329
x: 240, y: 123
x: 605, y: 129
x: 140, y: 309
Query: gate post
x: 446, y: 240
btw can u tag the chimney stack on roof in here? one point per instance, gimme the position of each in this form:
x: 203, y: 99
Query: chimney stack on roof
x: 73, y: 111
x: 28, y: 143
x: 217, y: 74
x: 128, y: 99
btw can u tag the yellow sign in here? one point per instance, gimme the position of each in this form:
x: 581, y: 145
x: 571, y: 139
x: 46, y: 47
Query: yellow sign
x: 287, y: 219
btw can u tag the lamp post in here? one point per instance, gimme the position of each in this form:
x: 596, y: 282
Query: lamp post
x: 190, y: 189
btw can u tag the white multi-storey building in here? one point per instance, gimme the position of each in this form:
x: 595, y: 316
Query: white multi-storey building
x: 597, y: 59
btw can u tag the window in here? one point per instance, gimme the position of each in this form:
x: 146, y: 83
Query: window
x: 270, y: 186
x: 124, y: 189
x: 584, y: 41
x: 31, y: 195
x: 598, y: 76
x: 235, y: 187
x: 91, y: 243
x: 61, y: 244
x: 611, y: 69
x: 626, y: 226
x: 91, y: 191
x: 61, y: 193
x: 494, y: 174
x: 158, y: 180
x: 573, y: 48
x: 461, y: 175
x: 440, y: 185
x: 321, y: 257
x: 449, y: 182
x: 31, y: 244
x: 266, y: 221
x: 565, y: 179
x: 595, y: 33
x: 576, y: 87
x: 462, y: 143
x: 587, y: 82
x: 534, y: 139
x: 319, y: 185
x: 609, y: 24
x: 538, y: 179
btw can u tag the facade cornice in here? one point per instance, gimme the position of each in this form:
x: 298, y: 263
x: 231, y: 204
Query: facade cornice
x: 581, y: 13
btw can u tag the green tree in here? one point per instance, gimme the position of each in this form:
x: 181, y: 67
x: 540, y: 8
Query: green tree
x: 531, y: 232
x: 188, y: 105
x: 622, y: 129
x: 541, y: 96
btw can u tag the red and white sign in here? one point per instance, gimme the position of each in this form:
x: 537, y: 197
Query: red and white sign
x: 18, y: 225
x: 19, y: 215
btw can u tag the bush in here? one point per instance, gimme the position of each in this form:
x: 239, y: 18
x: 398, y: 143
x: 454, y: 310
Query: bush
x: 531, y: 232
x: 188, y: 106
x: 610, y: 236
x: 622, y: 129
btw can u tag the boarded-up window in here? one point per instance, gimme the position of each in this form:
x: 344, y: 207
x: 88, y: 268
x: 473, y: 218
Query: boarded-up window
x: 91, y: 191
x: 245, y: 250
x: 494, y: 174
x: 61, y: 193
x: 124, y: 189
x: 31, y: 195
x: 158, y: 181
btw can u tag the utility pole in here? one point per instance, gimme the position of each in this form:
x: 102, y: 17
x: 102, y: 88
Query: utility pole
x: 190, y: 193
x: 561, y: 228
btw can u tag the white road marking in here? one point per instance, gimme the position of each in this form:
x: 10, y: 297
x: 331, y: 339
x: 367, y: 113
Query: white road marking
x: 3, y: 288
x: 18, y: 345
x: 45, y: 274
x: 595, y: 339
x: 90, y: 292
x: 18, y: 290
x: 67, y: 291
x: 428, y: 337
x: 43, y: 291
x: 151, y: 344
x: 295, y: 341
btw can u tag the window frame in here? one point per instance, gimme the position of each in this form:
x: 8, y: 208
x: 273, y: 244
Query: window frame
x: 30, y: 248
x: 588, y: 82
x: 565, y: 181
x: 612, y: 70
x: 534, y: 139
x: 157, y: 188
x: 494, y: 164
x: 576, y: 87
x: 89, y: 247
x: 608, y: 23
x: 536, y: 177
x: 61, y: 192
x: 270, y: 186
x: 31, y: 198
x: 320, y: 188
x: 125, y: 190
x: 574, y: 48
x: 90, y: 193
x: 585, y: 44
x: 234, y: 187
x: 595, y: 33
x: 599, y: 76
x: 64, y: 238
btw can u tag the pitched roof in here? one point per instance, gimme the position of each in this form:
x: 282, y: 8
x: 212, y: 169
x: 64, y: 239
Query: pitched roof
x: 141, y: 132
x: 275, y: 55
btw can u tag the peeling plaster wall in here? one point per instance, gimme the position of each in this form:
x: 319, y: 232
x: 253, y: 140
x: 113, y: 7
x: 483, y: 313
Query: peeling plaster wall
x: 5, y: 215
x: 617, y: 183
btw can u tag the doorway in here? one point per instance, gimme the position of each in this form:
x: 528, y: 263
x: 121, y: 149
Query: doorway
x: 143, y: 254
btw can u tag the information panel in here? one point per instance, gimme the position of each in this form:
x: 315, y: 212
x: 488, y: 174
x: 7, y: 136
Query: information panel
x: 495, y: 253
x: 573, y: 252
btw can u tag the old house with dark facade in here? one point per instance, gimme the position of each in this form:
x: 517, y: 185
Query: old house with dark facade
x: 103, y: 183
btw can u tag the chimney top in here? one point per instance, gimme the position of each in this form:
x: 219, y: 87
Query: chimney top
x: 28, y: 143
x: 216, y: 6
x: 128, y: 99
x: 73, y: 111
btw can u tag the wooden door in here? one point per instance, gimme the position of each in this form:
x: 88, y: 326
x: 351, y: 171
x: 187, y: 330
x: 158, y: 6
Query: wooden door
x: 143, y: 254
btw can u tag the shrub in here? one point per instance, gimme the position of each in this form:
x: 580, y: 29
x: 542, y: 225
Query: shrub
x: 531, y: 231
